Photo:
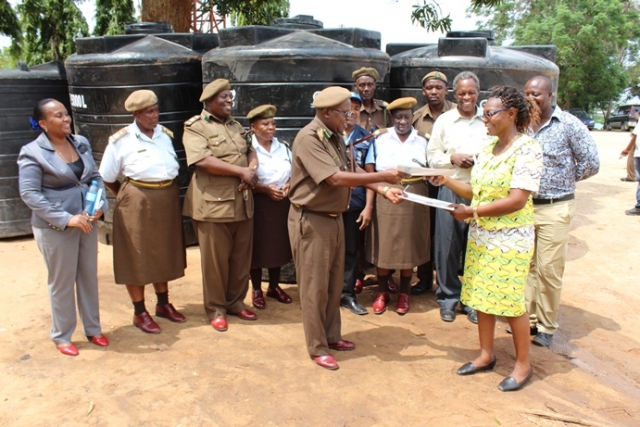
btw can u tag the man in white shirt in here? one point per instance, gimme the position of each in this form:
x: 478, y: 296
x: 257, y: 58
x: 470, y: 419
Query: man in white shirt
x: 633, y: 145
x: 457, y: 137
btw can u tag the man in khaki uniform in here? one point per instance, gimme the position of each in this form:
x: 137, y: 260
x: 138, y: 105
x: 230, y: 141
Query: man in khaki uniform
x: 373, y: 112
x: 319, y: 193
x: 220, y: 202
x: 434, y: 89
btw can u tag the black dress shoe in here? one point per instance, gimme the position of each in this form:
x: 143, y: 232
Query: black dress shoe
x: 470, y: 369
x: 510, y: 384
x: 543, y: 340
x: 533, y: 331
x: 472, y: 315
x: 350, y: 302
x: 422, y: 287
x: 447, y: 314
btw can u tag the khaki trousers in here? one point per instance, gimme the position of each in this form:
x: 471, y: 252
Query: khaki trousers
x: 544, y: 284
x: 631, y: 165
x: 317, y: 244
x: 225, y: 252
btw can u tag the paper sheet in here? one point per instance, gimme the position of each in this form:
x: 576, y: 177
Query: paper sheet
x: 435, y: 203
x: 418, y: 171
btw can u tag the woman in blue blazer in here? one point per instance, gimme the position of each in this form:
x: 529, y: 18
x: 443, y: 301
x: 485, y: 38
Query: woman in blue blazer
x: 55, y: 171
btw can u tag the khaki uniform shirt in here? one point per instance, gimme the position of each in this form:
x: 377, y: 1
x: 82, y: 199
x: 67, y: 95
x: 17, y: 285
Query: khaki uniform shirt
x: 423, y: 120
x: 317, y: 156
x: 215, y: 198
x: 375, y: 116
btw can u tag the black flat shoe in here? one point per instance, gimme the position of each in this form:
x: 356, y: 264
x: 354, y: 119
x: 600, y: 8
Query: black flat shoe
x: 352, y: 304
x: 543, y: 340
x: 447, y: 314
x: 422, y: 287
x: 470, y: 369
x: 510, y: 384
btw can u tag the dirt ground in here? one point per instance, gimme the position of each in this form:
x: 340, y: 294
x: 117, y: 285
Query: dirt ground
x: 401, y: 374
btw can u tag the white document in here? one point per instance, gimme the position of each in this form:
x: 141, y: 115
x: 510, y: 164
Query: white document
x: 418, y: 171
x: 434, y: 203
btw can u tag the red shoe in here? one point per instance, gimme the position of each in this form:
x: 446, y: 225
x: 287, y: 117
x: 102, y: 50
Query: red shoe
x: 393, y: 287
x: 219, y: 324
x: 247, y: 315
x: 402, y: 306
x: 279, y: 294
x: 359, y: 286
x: 342, y: 345
x: 146, y: 324
x: 380, y: 304
x: 257, y: 299
x: 99, y: 340
x: 327, y: 362
x: 68, y: 350
x: 169, y: 312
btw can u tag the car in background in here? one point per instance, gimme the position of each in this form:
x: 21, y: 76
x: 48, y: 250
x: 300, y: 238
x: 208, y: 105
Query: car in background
x: 623, y: 117
x: 583, y: 116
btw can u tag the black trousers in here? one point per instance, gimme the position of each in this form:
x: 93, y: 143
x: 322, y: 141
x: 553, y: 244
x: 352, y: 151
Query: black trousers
x: 354, y: 251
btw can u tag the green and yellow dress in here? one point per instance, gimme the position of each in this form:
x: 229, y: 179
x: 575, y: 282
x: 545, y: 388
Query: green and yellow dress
x: 500, y: 248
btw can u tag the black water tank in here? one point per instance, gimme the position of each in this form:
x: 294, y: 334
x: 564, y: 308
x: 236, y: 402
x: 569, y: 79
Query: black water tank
x: 494, y: 65
x: 101, y: 79
x: 21, y: 89
x: 286, y: 71
x: 148, y: 28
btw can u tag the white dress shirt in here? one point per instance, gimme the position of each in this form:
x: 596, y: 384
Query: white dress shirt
x: 274, y: 167
x: 139, y: 157
x: 391, y: 152
x: 453, y: 134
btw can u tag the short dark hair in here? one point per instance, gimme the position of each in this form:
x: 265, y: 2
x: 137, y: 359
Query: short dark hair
x: 38, y: 112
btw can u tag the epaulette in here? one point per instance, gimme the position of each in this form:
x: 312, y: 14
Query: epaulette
x: 379, y: 132
x: 383, y: 104
x: 192, y: 120
x: 285, y: 143
x: 424, y: 135
x: 167, y: 131
x: 116, y: 136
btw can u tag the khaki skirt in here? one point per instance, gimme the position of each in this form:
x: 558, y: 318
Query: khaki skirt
x: 271, y: 246
x: 148, y: 245
x: 398, y: 237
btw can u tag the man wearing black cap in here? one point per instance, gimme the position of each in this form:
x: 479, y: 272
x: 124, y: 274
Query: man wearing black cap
x: 434, y: 88
x: 373, y: 113
x: 320, y: 181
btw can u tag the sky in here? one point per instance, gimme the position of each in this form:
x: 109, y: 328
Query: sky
x: 392, y: 18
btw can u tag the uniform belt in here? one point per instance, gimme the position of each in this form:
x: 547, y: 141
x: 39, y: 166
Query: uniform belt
x: 151, y: 185
x: 332, y: 215
x: 552, y: 201
x: 415, y: 180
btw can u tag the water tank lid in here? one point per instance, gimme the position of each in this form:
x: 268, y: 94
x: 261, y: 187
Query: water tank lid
x: 304, y: 40
x: 148, y: 28
x: 153, y: 44
x: 305, y: 21
x: 487, y: 34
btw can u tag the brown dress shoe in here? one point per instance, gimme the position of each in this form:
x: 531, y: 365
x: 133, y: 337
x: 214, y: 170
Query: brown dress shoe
x: 279, y: 295
x: 257, y: 299
x: 327, y: 362
x: 246, y: 315
x: 359, y: 286
x: 403, y: 304
x: 219, y: 324
x: 380, y: 304
x: 169, y: 312
x: 145, y: 323
x: 342, y: 345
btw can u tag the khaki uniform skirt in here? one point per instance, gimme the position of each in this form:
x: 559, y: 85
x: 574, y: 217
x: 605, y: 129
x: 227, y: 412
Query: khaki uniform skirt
x: 398, y: 237
x: 148, y: 246
x: 271, y: 246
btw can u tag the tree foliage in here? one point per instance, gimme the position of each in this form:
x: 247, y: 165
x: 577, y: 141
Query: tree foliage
x: 9, y: 24
x: 112, y: 16
x: 253, y: 12
x: 428, y: 15
x: 49, y: 30
x: 594, y: 40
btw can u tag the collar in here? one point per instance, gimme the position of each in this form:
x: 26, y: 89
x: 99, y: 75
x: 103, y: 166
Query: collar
x: 477, y: 115
x: 44, y: 142
x: 210, y: 118
x: 138, y: 133
x: 275, y: 145
x: 426, y: 110
x: 376, y: 106
x: 322, y: 131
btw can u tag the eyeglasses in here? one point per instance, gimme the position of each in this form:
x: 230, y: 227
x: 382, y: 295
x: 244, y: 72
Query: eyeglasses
x: 346, y: 114
x: 493, y: 113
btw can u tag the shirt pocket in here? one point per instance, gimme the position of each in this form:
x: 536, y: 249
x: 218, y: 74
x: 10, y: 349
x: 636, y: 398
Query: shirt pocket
x: 218, y: 145
x: 220, y: 202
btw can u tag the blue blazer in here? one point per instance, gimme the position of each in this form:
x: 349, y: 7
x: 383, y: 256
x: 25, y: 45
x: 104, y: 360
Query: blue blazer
x: 49, y: 187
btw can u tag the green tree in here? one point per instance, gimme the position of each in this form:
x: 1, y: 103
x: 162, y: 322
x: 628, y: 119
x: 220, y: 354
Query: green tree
x: 49, y: 30
x: 594, y: 40
x: 253, y: 12
x: 428, y: 14
x: 112, y: 16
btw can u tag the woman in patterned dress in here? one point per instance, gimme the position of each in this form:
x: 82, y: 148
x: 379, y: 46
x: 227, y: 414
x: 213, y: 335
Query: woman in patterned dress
x: 501, y: 235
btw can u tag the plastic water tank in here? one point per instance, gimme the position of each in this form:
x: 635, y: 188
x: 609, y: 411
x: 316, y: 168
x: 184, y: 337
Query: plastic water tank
x: 21, y: 89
